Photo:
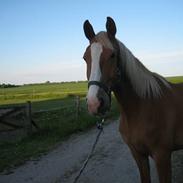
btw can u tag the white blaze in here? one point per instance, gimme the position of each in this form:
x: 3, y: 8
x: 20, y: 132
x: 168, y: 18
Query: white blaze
x: 95, y: 75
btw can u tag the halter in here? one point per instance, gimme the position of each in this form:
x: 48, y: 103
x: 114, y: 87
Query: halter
x: 101, y: 85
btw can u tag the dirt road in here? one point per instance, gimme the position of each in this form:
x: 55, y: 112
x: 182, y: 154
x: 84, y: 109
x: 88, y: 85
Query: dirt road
x: 111, y: 163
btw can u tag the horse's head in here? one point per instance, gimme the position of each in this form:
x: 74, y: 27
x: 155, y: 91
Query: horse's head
x: 101, y: 57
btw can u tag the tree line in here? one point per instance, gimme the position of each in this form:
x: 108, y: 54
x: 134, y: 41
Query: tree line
x: 3, y: 85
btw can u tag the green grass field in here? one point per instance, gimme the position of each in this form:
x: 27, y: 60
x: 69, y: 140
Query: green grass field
x: 42, y: 92
x: 175, y: 79
x: 37, y: 92
x: 55, y: 125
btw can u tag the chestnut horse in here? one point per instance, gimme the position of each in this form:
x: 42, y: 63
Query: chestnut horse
x: 151, y: 108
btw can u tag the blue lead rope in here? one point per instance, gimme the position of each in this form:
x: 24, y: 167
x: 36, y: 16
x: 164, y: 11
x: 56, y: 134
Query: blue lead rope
x: 100, y: 127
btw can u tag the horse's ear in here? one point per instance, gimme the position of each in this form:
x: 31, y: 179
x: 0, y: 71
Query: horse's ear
x: 111, y: 27
x: 88, y: 30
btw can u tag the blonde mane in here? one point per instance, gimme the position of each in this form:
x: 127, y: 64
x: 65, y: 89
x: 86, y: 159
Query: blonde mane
x: 144, y: 82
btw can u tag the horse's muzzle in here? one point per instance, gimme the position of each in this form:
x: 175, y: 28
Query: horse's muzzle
x: 100, y: 104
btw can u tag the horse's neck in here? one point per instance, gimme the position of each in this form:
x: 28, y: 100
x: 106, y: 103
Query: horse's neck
x: 127, y: 98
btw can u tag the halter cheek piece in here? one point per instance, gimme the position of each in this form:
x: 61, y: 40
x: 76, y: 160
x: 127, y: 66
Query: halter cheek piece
x: 101, y: 85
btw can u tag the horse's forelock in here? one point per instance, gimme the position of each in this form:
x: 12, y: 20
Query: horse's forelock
x: 103, y: 39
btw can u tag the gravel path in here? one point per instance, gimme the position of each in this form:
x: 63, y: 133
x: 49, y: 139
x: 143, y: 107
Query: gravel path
x: 111, y: 163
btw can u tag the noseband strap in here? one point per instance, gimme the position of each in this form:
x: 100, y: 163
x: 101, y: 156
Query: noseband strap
x: 101, y: 85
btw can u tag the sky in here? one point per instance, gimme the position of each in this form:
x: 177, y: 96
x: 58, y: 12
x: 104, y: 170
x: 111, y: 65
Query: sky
x: 43, y: 40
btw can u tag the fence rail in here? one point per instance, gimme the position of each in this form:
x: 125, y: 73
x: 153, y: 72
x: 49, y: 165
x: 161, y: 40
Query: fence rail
x: 76, y: 105
x: 53, y: 109
x: 16, y: 118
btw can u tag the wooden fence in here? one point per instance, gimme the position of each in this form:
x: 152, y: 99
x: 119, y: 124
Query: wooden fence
x: 16, y: 119
x: 19, y: 118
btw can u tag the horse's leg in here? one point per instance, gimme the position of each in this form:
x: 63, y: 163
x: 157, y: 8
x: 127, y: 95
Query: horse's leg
x: 143, y: 165
x: 163, y: 165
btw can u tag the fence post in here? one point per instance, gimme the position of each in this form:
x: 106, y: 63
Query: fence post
x: 77, y: 106
x: 29, y: 118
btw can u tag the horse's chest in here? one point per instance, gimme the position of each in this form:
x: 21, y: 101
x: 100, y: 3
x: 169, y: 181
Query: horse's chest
x: 132, y: 134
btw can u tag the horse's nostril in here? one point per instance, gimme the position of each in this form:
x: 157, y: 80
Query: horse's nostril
x: 101, y: 101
